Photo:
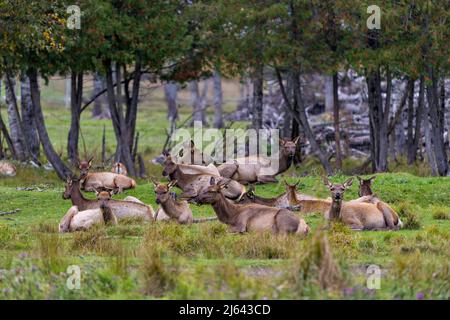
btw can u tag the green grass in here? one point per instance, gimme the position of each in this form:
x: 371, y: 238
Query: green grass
x: 167, y: 261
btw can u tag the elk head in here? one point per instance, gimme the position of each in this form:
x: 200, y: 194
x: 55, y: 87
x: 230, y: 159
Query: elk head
x: 103, y: 196
x: 248, y: 196
x: 162, y: 191
x: 84, y: 166
x: 213, y: 192
x: 67, y: 194
x: 365, y: 186
x: 288, y: 147
x: 169, y: 166
x: 337, y: 190
x: 119, y: 168
x: 291, y: 187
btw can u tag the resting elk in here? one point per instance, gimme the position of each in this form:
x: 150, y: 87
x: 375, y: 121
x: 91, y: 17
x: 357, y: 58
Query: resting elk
x: 253, y: 169
x: 250, y: 217
x: 189, y: 154
x: 75, y: 220
x: 360, y: 215
x: 193, y: 179
x: 96, y: 180
x: 171, y: 208
x: 121, y: 208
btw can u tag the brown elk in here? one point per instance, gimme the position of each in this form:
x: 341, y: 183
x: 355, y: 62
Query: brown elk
x: 97, y: 180
x: 189, y: 154
x: 173, y: 209
x: 119, y: 168
x: 365, y: 191
x: 121, y: 208
x: 258, y: 169
x: 193, y: 179
x: 7, y: 169
x: 360, y: 215
x: 250, y: 217
x: 280, y: 201
x: 75, y: 220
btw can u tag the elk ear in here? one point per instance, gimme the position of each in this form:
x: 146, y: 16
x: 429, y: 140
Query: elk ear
x: 296, y: 140
x: 348, y: 183
x: 327, y: 182
x: 90, y: 161
x: 212, y: 181
x: 192, y: 143
x: 155, y: 183
x: 172, y: 184
x: 282, y: 142
x: 96, y: 192
x: 372, y: 178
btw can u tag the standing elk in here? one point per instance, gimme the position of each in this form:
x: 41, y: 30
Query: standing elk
x: 250, y: 217
x: 96, y: 180
x: 258, y: 169
x: 121, y: 208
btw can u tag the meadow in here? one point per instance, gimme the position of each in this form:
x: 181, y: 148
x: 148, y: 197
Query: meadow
x: 134, y: 260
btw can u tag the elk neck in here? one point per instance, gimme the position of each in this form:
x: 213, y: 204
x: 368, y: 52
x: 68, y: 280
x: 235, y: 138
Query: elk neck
x: 335, y: 210
x: 77, y: 197
x: 285, y: 161
x: 170, y: 206
x: 225, y: 210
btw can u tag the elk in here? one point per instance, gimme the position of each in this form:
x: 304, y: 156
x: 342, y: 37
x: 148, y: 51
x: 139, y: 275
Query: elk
x: 119, y: 168
x: 121, y: 208
x: 250, y: 217
x: 7, y: 169
x: 173, y: 209
x: 97, y: 180
x: 258, y: 169
x: 357, y: 214
x: 189, y: 154
x: 280, y: 201
x: 193, y: 179
x: 75, y: 220
x: 365, y: 191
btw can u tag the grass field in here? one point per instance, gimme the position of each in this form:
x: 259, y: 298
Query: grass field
x: 163, y: 260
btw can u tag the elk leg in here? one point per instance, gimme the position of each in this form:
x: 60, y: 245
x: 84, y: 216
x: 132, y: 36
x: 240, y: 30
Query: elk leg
x: 237, y: 228
x: 355, y: 225
x: 388, y: 216
x: 266, y: 179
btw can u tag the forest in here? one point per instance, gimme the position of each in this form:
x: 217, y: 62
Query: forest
x: 94, y: 94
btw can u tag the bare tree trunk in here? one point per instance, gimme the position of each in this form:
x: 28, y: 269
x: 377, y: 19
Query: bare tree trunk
x: 76, y: 97
x: 329, y: 95
x: 218, y: 101
x: 428, y: 143
x: 15, y: 123
x: 170, y: 93
x: 337, y: 131
x: 198, y: 113
x: 61, y: 169
x: 100, y: 110
x: 258, y: 96
x: 28, y: 118
x: 436, y: 121
x: 410, y: 133
x: 302, y: 118
x: 5, y: 133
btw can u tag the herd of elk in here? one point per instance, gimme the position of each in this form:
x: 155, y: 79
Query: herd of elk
x: 222, y: 188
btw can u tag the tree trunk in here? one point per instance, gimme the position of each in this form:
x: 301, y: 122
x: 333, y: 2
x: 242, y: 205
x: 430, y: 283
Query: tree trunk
x: 123, y: 151
x: 337, y: 131
x: 302, y: 118
x: 329, y: 93
x: 419, y: 116
x: 218, y: 101
x: 436, y: 121
x: 28, y: 118
x: 61, y: 169
x: 5, y: 133
x: 170, y: 93
x: 198, y: 113
x: 258, y: 96
x: 410, y: 133
x: 76, y: 97
x: 100, y: 111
